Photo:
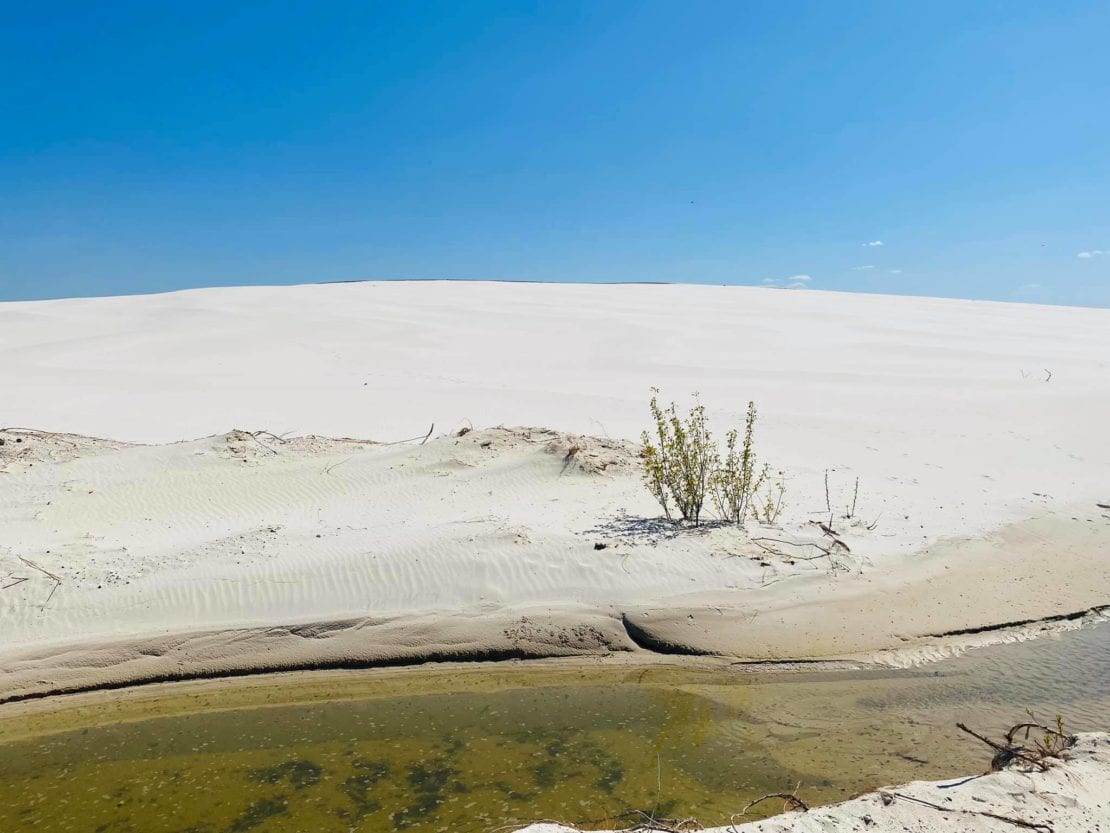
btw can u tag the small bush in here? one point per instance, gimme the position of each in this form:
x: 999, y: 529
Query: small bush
x: 768, y: 508
x: 680, y: 460
x: 682, y: 465
x: 734, y: 480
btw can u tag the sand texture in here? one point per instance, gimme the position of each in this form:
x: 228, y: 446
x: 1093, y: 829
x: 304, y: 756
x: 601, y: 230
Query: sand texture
x: 977, y: 432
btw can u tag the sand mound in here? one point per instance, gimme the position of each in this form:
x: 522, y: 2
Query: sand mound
x: 220, y: 555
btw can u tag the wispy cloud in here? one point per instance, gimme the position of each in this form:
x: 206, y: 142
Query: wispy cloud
x: 1092, y: 253
x: 863, y: 268
x: 792, y: 282
x: 872, y: 244
x: 896, y: 271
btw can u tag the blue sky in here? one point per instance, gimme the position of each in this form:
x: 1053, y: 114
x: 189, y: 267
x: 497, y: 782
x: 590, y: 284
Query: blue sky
x: 148, y: 147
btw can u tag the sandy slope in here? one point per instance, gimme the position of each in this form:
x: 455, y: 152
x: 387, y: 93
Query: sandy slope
x: 1071, y: 797
x: 983, y: 478
x: 939, y: 406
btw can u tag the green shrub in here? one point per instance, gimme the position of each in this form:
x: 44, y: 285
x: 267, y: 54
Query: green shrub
x: 680, y: 460
x: 767, y: 509
x: 733, y: 481
x: 682, y: 465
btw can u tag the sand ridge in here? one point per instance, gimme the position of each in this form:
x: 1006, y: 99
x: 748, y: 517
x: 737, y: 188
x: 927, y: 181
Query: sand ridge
x: 239, y: 553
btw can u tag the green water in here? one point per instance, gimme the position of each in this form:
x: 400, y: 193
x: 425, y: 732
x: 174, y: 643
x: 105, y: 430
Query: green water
x: 473, y: 749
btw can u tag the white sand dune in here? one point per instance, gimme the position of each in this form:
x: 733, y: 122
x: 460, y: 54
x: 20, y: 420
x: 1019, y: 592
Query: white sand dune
x: 979, y: 475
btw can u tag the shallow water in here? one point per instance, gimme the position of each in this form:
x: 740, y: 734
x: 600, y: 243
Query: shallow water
x: 476, y: 748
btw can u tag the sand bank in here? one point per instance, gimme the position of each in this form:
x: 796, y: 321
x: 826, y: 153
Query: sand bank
x: 238, y: 553
x: 977, y: 432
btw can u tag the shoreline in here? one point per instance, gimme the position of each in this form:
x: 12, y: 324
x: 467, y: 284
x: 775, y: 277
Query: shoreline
x: 1069, y: 797
x: 174, y: 562
x: 274, y: 651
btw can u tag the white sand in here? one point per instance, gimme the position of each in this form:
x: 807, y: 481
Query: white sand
x: 982, y: 476
x: 1071, y: 797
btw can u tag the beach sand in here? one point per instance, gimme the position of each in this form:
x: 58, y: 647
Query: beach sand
x: 976, y: 431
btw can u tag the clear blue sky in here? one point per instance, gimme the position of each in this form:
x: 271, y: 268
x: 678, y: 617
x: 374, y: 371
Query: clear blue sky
x: 154, y: 146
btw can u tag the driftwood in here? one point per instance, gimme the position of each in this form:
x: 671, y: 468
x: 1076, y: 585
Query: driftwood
x: 1052, y: 745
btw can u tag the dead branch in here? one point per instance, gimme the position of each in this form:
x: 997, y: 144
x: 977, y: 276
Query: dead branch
x: 1036, y: 757
x: 825, y: 553
x: 422, y: 439
x: 260, y: 443
x: 650, y: 822
x: 333, y: 466
x: 832, y: 533
x: 45, y: 572
x: 1028, y: 727
x: 665, y: 825
x: 1028, y: 825
x: 42, y: 570
x: 998, y: 747
x: 793, y: 803
x: 270, y: 434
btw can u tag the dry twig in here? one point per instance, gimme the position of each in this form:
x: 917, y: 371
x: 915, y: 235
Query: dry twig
x: 45, y: 572
x: 792, y: 802
x: 1044, y: 828
x: 832, y: 533
x: 422, y: 439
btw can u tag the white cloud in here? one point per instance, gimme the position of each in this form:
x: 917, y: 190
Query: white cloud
x: 863, y: 268
x: 873, y: 244
x: 896, y: 271
x: 792, y: 282
x: 1092, y: 253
